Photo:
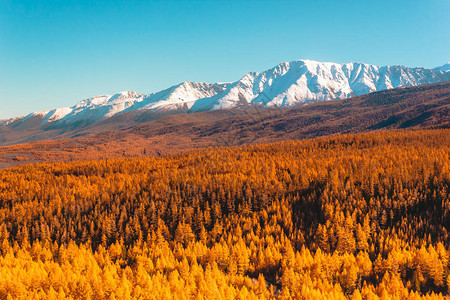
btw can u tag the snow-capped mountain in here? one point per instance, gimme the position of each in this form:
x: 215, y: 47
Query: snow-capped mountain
x: 286, y: 85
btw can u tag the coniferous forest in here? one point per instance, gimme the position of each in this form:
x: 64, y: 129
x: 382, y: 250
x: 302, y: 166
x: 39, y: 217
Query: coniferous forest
x: 362, y: 216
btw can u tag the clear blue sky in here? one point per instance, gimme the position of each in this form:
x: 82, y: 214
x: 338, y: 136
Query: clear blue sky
x: 56, y: 53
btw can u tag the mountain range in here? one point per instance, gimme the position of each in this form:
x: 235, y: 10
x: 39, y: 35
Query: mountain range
x: 135, y: 134
x: 288, y: 84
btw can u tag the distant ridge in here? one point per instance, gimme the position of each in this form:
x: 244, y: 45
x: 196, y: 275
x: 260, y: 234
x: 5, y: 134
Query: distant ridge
x: 288, y: 84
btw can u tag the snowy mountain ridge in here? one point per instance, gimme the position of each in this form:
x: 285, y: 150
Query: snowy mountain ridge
x: 285, y: 85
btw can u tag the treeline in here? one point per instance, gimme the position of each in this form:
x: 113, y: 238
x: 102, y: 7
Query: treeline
x: 353, y: 216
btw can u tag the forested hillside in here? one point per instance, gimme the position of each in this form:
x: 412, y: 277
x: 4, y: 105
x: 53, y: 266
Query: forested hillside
x: 361, y: 216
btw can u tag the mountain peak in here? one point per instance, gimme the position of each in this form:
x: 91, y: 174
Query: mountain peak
x: 285, y: 85
x: 127, y: 94
x: 124, y: 95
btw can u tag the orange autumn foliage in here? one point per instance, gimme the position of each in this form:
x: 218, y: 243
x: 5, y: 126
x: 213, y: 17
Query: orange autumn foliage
x: 361, y: 216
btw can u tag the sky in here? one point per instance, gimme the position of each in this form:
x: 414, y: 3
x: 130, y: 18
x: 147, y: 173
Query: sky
x: 56, y: 53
